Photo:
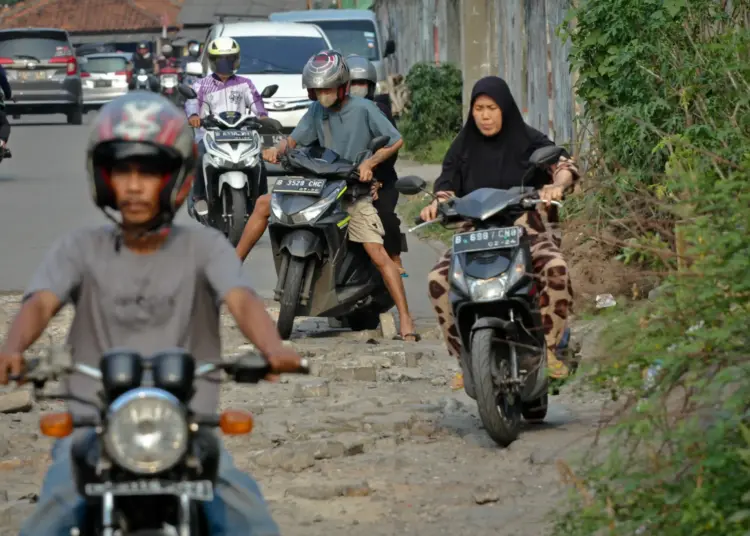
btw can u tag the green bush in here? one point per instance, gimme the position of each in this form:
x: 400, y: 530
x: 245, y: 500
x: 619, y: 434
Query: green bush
x: 668, y: 83
x: 435, y: 109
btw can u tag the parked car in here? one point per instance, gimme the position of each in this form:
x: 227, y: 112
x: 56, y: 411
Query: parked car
x: 274, y: 53
x: 43, y: 72
x: 105, y: 77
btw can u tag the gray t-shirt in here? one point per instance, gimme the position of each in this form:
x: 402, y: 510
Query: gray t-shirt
x: 166, y: 299
x: 352, y: 127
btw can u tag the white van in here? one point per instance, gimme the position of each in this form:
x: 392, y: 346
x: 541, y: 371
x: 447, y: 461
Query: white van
x: 351, y: 31
x: 274, y: 53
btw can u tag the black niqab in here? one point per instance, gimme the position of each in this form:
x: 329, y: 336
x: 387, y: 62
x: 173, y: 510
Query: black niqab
x: 477, y: 161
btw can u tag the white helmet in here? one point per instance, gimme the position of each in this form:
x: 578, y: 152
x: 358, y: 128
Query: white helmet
x: 224, y: 55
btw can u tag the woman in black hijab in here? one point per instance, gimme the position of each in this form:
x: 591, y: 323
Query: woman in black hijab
x: 492, y: 151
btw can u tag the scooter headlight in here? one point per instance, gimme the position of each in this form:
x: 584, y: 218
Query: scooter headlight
x: 169, y: 81
x: 276, y: 207
x: 147, y: 431
x: 314, y: 211
x: 485, y: 290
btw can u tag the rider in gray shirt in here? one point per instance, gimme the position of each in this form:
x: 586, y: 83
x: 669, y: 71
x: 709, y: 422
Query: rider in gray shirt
x: 147, y: 285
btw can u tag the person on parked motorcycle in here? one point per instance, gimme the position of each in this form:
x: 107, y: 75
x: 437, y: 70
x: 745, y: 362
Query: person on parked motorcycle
x: 346, y: 125
x: 362, y: 81
x: 223, y: 91
x: 147, y: 284
x: 4, y: 123
x: 492, y: 151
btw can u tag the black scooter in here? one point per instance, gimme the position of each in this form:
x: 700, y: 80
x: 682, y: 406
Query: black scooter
x: 321, y: 273
x: 495, y: 302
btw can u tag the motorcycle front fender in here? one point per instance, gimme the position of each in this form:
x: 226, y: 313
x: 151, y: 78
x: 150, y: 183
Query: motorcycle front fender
x: 233, y: 179
x: 302, y: 243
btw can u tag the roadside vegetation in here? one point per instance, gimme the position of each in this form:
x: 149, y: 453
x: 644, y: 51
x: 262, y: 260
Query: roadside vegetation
x: 667, y: 82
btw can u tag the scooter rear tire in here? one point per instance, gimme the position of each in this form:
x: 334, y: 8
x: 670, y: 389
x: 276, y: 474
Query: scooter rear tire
x: 295, y: 276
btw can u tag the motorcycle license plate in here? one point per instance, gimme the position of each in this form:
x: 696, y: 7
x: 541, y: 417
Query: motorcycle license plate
x: 272, y: 140
x: 228, y: 136
x: 487, y: 240
x: 289, y: 185
x: 199, y: 490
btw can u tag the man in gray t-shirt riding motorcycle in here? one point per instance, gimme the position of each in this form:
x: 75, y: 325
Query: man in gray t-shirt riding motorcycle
x: 345, y: 125
x: 144, y: 284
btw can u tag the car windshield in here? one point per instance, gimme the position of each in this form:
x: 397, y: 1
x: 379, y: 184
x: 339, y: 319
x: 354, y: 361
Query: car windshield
x: 34, y: 45
x: 110, y: 64
x: 352, y: 37
x: 272, y: 54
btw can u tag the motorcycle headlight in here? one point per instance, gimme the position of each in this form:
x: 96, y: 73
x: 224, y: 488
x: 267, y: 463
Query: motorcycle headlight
x: 169, y: 82
x: 250, y: 161
x: 142, y: 78
x: 147, y: 431
x: 276, y: 207
x: 484, y: 290
x: 315, y: 210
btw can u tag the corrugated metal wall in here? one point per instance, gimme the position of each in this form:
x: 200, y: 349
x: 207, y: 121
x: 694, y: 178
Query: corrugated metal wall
x: 521, y: 38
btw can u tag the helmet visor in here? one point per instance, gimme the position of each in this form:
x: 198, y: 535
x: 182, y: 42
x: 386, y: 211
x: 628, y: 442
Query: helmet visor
x: 225, y: 64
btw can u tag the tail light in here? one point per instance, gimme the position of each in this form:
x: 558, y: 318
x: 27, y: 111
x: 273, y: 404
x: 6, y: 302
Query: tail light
x: 71, y: 62
x: 127, y: 74
x: 6, y: 61
x: 84, y: 74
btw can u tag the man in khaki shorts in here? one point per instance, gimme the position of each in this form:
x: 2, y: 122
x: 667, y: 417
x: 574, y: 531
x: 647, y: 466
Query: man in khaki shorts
x: 346, y: 125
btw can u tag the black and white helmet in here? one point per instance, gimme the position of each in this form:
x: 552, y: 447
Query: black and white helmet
x: 325, y: 70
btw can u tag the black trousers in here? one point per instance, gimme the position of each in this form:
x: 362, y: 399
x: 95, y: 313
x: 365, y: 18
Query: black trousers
x: 386, y: 207
x: 4, y: 127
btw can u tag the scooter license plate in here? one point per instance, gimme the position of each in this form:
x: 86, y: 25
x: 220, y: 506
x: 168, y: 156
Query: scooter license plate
x: 487, y: 240
x: 198, y: 490
x: 228, y: 136
x: 288, y: 185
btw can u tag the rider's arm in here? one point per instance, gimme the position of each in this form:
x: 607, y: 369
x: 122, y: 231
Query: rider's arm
x: 223, y: 270
x: 53, y: 285
x: 254, y: 101
x: 381, y: 126
x: 4, y: 83
x: 304, y: 133
x: 193, y: 106
x: 565, y: 172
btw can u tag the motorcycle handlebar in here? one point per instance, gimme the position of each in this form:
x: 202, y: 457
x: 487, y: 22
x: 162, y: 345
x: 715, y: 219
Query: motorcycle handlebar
x: 249, y: 368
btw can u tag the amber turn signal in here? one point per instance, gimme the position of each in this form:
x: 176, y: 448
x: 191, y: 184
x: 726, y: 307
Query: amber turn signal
x: 56, y: 424
x: 236, y: 422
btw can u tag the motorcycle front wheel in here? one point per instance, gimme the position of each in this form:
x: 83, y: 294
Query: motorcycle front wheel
x: 295, y: 276
x: 236, y: 206
x: 500, y: 416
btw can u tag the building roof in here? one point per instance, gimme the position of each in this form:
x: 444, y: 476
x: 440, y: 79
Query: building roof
x: 206, y: 12
x: 83, y: 16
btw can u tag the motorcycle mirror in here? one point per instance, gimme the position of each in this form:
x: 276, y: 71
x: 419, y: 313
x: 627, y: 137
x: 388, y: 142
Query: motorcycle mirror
x: 269, y: 91
x: 272, y: 123
x: 378, y: 143
x: 410, y: 185
x: 546, y: 156
x: 194, y: 68
x: 186, y: 91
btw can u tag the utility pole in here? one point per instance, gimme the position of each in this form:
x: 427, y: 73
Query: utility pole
x: 338, y: 4
x: 309, y: 4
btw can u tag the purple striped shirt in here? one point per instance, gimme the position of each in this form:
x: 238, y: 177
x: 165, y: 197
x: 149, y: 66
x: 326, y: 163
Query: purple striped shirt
x: 215, y: 96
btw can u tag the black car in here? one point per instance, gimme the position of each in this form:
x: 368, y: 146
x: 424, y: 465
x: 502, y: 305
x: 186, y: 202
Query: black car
x: 43, y: 71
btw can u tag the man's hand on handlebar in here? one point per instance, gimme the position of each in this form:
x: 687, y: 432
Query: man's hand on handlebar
x: 365, y: 171
x: 12, y: 365
x: 271, y: 155
x: 284, y: 360
x: 195, y: 121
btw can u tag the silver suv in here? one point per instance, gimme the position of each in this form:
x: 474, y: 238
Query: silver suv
x: 43, y: 72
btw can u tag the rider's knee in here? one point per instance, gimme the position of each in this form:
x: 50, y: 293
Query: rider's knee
x: 263, y: 206
x: 555, y: 271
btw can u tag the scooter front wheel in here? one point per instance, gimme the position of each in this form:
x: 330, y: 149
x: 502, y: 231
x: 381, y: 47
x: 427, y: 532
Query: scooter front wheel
x: 295, y: 276
x: 236, y: 204
x: 500, y: 413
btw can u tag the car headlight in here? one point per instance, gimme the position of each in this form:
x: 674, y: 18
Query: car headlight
x: 147, y: 431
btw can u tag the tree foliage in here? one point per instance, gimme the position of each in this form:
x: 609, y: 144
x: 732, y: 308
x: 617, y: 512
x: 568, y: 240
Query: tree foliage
x: 434, y: 110
x: 668, y: 84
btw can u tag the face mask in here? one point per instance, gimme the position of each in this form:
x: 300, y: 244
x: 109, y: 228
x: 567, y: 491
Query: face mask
x: 224, y: 66
x: 327, y: 99
x: 359, y: 91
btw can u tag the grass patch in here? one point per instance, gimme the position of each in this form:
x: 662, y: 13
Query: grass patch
x: 432, y: 152
x: 409, y: 208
